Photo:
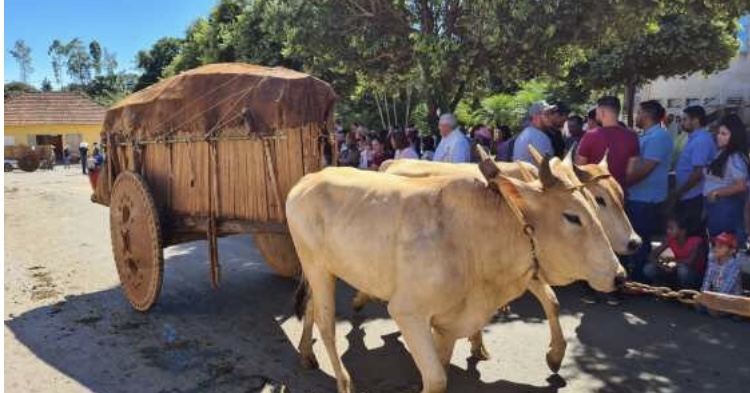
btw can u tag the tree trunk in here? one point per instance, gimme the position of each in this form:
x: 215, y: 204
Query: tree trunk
x: 630, y: 87
x: 432, y: 117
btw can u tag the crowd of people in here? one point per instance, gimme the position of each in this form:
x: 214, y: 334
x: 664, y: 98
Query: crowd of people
x: 685, y: 181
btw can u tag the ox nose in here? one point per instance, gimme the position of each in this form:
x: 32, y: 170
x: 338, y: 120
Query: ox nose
x: 634, y: 244
x: 620, y: 280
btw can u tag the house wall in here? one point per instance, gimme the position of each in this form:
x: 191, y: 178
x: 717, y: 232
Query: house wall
x: 72, y: 133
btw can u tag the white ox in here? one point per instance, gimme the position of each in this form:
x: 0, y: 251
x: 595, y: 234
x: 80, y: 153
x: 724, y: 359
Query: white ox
x: 444, y: 251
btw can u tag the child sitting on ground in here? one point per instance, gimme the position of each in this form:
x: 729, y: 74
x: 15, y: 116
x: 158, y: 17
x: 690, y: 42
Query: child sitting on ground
x: 724, y: 274
x: 679, y: 260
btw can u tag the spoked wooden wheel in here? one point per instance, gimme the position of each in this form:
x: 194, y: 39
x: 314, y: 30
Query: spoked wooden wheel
x: 136, y: 240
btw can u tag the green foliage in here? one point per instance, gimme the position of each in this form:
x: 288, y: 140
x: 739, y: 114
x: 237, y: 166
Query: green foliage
x: 109, y: 61
x: 46, y: 85
x: 22, y: 53
x: 14, y: 88
x: 108, y: 89
x: 505, y: 108
x: 154, y: 61
x: 78, y: 62
x: 58, y: 53
x: 95, y: 50
x: 430, y: 56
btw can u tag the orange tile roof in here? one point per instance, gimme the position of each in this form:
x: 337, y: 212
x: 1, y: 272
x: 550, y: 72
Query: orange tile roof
x: 52, y: 108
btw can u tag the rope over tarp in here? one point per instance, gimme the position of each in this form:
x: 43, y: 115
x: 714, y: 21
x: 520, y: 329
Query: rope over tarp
x: 226, y: 99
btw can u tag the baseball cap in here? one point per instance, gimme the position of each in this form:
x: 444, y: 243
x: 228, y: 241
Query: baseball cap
x: 726, y: 239
x: 538, y: 108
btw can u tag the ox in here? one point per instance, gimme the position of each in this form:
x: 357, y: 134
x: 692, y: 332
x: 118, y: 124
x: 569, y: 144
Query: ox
x: 602, y: 191
x: 417, y: 245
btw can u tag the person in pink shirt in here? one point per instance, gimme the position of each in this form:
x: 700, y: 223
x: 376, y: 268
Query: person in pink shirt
x: 619, y: 143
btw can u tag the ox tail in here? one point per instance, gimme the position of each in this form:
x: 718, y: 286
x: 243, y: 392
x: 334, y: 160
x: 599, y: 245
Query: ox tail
x: 301, y: 297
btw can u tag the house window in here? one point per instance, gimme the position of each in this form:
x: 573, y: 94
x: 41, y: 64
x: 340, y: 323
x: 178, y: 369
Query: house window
x: 10, y: 141
x: 674, y: 103
x: 734, y: 101
x: 693, y: 102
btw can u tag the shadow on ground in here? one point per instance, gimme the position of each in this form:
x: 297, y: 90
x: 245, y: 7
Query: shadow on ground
x: 230, y: 340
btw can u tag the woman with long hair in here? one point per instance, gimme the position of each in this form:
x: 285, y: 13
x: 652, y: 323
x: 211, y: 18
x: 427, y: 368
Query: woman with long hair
x: 401, y: 146
x: 725, y: 186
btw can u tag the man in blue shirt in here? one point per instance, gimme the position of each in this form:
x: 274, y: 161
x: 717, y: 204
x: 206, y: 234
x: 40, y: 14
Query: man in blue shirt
x: 648, y: 182
x: 533, y: 135
x: 698, y: 152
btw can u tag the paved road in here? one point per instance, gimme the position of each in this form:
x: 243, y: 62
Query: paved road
x: 69, y: 329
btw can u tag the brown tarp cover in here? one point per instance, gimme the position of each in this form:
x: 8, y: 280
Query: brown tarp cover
x: 227, y: 99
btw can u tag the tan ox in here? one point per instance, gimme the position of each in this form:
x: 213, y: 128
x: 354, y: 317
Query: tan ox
x: 444, y: 251
x: 603, y: 192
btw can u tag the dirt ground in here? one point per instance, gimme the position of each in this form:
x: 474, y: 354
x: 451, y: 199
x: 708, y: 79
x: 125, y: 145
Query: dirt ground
x: 68, y: 327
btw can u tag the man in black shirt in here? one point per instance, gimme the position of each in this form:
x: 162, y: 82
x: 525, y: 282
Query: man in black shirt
x: 557, y: 115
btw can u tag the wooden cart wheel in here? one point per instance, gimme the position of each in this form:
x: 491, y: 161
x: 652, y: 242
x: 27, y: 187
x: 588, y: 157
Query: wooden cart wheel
x: 136, y: 240
x: 29, y: 162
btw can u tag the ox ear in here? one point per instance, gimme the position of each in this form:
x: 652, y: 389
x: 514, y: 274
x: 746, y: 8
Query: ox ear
x: 525, y: 174
x: 510, y: 189
x: 481, y: 153
x: 536, y: 155
x: 582, y: 175
x: 489, y: 169
x: 591, y: 173
x: 549, y: 180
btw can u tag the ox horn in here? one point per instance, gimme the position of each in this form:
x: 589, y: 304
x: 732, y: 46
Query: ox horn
x: 583, y: 176
x: 486, y: 165
x: 535, y: 154
x: 548, y: 179
x: 603, y: 163
x: 568, y: 160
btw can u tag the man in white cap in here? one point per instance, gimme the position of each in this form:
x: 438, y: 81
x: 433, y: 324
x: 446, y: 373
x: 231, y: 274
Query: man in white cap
x: 533, y: 135
x: 454, y: 147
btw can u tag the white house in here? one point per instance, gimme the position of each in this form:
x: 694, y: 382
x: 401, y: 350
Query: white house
x: 727, y: 89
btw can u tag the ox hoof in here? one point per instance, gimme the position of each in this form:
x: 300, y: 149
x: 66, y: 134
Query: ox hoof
x: 309, y: 362
x: 554, y: 361
x: 480, y: 353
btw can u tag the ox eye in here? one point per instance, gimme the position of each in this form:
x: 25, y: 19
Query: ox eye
x: 600, y: 201
x: 573, y: 219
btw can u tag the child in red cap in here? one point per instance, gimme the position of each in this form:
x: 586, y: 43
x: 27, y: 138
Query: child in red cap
x: 723, y: 274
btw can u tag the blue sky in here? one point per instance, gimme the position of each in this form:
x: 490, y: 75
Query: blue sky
x: 122, y: 26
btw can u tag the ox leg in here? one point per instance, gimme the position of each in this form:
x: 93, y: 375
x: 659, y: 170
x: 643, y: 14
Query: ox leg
x: 444, y: 344
x: 418, y: 336
x: 323, y: 286
x: 306, y: 343
x: 478, y: 350
x: 360, y: 301
x: 548, y: 299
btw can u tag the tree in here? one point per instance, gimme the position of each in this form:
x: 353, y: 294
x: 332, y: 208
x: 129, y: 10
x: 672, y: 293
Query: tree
x: 456, y: 48
x: 108, y: 89
x: 681, y: 38
x: 154, y: 61
x: 109, y: 62
x: 22, y: 53
x: 46, y: 85
x: 95, y: 50
x: 58, y: 53
x: 78, y: 61
x: 14, y: 88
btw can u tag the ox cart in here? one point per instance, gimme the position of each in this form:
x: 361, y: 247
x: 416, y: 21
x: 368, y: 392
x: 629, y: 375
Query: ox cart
x: 208, y: 153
